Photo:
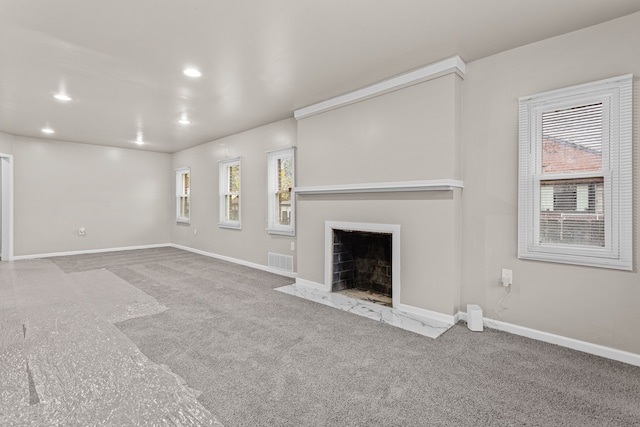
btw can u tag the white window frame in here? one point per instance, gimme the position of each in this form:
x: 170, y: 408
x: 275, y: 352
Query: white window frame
x: 616, y: 97
x: 224, y: 167
x: 180, y: 173
x: 273, y: 227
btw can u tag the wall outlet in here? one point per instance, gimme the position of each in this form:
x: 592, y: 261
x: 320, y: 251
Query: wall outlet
x: 82, y: 232
x: 507, y: 277
x: 195, y: 231
x: 293, y: 246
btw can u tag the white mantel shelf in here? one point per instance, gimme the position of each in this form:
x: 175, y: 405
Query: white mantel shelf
x: 383, y: 187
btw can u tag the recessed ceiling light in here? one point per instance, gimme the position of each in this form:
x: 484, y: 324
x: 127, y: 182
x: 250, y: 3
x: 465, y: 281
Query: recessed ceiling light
x: 192, y: 72
x: 48, y: 130
x: 62, y: 97
x: 184, y: 121
x: 139, y: 139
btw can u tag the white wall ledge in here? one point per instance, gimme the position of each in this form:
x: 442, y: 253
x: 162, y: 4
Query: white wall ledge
x: 383, y: 187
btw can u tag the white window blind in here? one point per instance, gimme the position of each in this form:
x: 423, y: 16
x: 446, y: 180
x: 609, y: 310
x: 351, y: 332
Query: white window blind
x: 575, y: 175
x: 572, y: 153
x: 281, y: 205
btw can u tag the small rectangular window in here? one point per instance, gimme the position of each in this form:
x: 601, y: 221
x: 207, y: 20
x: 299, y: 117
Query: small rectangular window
x: 230, y: 194
x: 575, y: 193
x: 183, y: 194
x: 281, y: 207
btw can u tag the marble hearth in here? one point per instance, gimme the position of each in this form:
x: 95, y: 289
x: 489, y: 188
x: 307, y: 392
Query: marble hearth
x: 410, y: 322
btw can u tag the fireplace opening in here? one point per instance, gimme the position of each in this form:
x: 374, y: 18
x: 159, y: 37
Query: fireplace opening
x: 362, y: 265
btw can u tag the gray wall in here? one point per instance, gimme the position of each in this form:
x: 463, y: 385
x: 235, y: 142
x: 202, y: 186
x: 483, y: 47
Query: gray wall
x: 6, y: 143
x: 118, y: 195
x: 251, y: 243
x: 591, y: 304
x: 409, y: 134
x: 454, y: 244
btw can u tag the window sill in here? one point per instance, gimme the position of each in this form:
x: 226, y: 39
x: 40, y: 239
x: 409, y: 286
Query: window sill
x: 578, y: 260
x: 183, y: 221
x: 281, y: 232
x: 230, y: 226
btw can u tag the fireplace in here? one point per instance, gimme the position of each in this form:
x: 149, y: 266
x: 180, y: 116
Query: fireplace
x: 363, y: 261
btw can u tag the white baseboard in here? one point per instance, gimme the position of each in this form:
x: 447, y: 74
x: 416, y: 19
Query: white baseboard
x: 313, y: 285
x: 586, y: 347
x: 89, y: 251
x: 162, y: 245
x: 422, y: 312
x: 237, y: 261
x: 458, y: 317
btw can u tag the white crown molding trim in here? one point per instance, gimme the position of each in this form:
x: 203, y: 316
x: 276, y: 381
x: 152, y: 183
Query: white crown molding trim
x: 453, y: 64
x: 277, y: 271
x: 422, y: 312
x: 383, y: 187
x: 574, y: 344
x: 89, y: 251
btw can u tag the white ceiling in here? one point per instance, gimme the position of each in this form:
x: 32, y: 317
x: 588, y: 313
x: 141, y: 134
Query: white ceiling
x: 122, y: 60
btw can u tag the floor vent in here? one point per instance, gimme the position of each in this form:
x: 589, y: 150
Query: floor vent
x: 281, y: 262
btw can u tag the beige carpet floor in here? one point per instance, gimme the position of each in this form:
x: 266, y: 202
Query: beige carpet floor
x: 261, y: 358
x: 257, y: 357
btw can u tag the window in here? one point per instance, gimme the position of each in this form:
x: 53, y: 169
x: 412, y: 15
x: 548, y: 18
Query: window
x: 230, y: 193
x: 281, y: 209
x: 575, y: 185
x: 183, y: 191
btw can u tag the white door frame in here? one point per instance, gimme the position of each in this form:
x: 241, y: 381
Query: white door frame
x: 6, y: 192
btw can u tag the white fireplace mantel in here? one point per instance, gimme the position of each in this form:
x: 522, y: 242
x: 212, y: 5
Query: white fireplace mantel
x: 383, y: 187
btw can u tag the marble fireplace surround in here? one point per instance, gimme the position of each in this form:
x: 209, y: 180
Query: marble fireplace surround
x: 399, y: 315
x: 393, y: 229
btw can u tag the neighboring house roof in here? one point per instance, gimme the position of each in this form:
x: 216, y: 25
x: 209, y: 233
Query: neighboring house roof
x: 561, y: 156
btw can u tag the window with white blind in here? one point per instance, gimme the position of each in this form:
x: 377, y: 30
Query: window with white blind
x: 230, y: 194
x: 281, y: 207
x: 575, y: 186
x: 183, y: 194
